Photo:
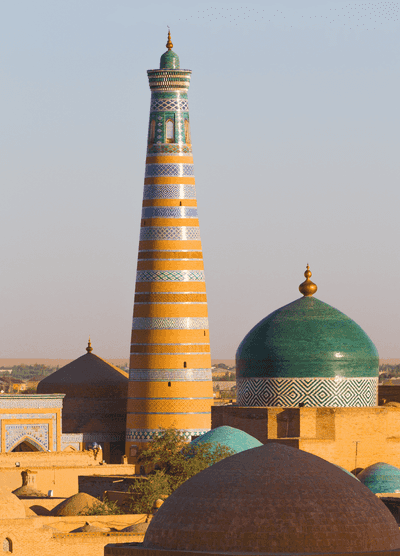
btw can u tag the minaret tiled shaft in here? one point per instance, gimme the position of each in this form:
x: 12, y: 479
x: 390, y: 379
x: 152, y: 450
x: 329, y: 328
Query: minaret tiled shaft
x: 170, y: 364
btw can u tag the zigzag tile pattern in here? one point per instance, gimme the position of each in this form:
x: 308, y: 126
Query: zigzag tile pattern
x: 312, y: 392
x: 170, y: 233
x: 169, y: 276
x: 150, y: 434
x: 169, y: 212
x: 169, y: 170
x: 169, y: 191
x: 170, y: 323
x: 169, y: 104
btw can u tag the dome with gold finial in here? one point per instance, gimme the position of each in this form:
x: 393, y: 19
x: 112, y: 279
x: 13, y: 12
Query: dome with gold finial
x: 95, y: 396
x: 169, y: 60
x: 307, y: 353
x: 88, y: 375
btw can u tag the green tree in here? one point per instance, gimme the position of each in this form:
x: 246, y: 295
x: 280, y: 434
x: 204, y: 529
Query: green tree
x: 174, y: 461
x: 146, y: 491
x: 102, y: 508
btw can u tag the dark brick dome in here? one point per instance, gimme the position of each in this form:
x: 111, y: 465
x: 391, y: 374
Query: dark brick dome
x: 273, y: 499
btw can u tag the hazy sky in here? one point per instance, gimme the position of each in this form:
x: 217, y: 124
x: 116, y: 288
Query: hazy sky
x: 295, y: 123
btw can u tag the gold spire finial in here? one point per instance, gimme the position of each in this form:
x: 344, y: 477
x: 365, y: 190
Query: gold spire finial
x: 308, y: 288
x: 169, y: 44
x: 89, y: 346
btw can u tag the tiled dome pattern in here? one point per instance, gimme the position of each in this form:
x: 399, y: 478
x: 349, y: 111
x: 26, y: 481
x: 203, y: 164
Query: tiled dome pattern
x: 381, y: 478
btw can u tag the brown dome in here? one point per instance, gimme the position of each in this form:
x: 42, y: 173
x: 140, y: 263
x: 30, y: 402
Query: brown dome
x: 88, y: 376
x: 273, y: 499
x: 10, y: 506
x: 75, y: 505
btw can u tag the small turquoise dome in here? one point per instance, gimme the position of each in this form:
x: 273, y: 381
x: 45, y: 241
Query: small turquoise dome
x: 381, y: 477
x: 307, y: 338
x: 348, y: 472
x: 169, y: 60
x: 234, y: 439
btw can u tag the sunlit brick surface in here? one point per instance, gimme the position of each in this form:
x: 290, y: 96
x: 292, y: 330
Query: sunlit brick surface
x: 170, y: 364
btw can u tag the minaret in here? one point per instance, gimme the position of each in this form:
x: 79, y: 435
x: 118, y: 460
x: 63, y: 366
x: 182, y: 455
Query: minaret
x: 170, y: 364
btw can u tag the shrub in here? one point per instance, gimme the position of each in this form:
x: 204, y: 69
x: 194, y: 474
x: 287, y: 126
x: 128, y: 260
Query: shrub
x: 102, y: 508
x: 174, y: 461
x: 145, y: 493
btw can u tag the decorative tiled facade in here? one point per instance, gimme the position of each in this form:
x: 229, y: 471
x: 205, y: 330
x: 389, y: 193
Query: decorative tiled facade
x: 169, y: 386
x: 311, y: 392
x: 34, y: 419
x: 22, y: 401
x: 37, y: 434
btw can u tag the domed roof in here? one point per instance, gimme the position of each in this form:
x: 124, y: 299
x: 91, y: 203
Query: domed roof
x: 169, y: 60
x: 85, y: 376
x: 75, y: 505
x: 273, y: 499
x: 10, y: 506
x: 307, y: 338
x: 381, y: 477
x: 234, y: 439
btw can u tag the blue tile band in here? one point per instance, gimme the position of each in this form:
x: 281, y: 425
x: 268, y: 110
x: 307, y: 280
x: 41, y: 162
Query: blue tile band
x: 312, y: 392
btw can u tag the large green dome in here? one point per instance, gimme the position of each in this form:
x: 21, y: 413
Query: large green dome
x: 307, y: 338
x: 307, y: 354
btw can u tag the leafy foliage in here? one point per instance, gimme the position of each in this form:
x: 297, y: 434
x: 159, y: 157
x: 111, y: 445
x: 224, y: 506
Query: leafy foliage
x: 145, y: 492
x: 174, y: 461
x: 102, y: 508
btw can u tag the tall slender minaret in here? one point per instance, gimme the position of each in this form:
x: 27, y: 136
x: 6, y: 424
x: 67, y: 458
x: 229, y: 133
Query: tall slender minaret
x: 170, y: 364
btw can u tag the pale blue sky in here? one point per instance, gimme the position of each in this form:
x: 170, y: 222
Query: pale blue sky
x: 295, y: 128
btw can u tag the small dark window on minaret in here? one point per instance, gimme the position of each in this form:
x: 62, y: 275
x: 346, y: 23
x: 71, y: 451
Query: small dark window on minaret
x: 144, y: 222
x: 180, y: 204
x: 169, y: 384
x: 184, y: 364
x: 204, y: 332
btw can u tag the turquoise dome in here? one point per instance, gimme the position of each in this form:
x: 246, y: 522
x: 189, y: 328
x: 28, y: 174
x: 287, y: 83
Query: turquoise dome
x: 381, y: 477
x: 348, y: 472
x: 169, y: 60
x: 307, y: 338
x: 234, y: 439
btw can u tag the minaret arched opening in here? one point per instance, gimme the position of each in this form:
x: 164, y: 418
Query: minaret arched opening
x: 169, y: 131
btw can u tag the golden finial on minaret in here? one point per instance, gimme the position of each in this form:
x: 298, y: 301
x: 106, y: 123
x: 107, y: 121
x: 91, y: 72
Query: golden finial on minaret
x: 308, y: 288
x: 169, y: 44
x: 89, y: 346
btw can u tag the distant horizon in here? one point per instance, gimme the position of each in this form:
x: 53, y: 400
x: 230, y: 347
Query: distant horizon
x: 10, y: 362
